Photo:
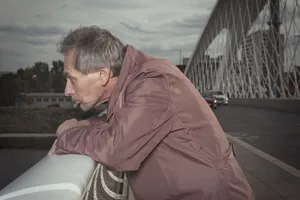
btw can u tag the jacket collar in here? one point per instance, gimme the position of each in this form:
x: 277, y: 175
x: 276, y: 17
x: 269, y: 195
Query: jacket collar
x: 128, y: 64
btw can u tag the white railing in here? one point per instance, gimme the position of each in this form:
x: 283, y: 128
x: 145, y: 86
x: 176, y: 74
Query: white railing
x: 65, y: 177
x: 54, y: 177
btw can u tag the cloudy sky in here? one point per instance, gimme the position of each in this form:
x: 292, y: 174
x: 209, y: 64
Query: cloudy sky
x: 30, y: 29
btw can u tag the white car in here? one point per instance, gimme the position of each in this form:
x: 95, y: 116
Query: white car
x: 221, y: 97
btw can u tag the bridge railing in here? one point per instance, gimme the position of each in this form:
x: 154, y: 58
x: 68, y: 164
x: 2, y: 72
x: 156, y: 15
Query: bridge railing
x: 68, y: 177
x: 54, y: 177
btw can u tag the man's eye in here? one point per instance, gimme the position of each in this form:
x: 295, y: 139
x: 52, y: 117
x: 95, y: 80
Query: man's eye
x: 72, y: 81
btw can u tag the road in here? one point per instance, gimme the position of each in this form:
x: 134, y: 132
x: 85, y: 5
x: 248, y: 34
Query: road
x: 275, y: 133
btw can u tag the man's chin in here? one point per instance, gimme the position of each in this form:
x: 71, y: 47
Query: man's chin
x: 85, y: 107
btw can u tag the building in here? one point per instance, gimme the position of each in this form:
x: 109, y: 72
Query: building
x: 44, y: 100
x: 256, y: 59
x: 185, y: 61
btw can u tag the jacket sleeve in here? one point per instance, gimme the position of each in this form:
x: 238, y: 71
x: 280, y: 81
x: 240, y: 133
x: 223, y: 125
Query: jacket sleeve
x: 97, y: 120
x: 133, y: 131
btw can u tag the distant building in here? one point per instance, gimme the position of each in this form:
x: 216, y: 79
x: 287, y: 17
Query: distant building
x: 44, y: 100
x: 185, y: 61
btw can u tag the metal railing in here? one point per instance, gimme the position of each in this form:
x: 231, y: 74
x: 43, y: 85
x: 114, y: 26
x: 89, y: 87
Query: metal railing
x: 54, y: 177
x: 249, y: 49
x: 70, y: 176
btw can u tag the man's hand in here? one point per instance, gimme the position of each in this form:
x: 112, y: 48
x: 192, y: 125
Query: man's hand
x: 52, y: 150
x: 71, y: 124
x: 66, y: 125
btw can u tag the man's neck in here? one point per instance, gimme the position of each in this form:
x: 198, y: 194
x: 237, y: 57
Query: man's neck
x: 109, y: 89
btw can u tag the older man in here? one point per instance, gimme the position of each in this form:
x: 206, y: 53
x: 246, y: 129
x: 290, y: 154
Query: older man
x: 159, y: 130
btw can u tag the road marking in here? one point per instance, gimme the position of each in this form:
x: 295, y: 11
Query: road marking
x: 266, y: 156
x: 24, y: 135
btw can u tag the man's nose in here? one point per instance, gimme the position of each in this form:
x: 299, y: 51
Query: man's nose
x: 68, y: 89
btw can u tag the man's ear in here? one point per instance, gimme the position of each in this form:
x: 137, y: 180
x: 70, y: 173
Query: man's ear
x: 105, y: 76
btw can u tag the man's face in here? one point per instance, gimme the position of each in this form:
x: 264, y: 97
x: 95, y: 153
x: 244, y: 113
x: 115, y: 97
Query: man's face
x: 87, y: 90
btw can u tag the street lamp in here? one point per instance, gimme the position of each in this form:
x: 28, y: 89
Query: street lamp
x: 179, y: 55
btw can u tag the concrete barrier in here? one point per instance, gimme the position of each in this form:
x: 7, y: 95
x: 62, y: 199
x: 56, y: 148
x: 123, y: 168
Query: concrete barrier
x: 54, y: 177
x: 281, y: 105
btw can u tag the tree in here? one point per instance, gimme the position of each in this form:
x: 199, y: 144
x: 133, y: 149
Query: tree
x: 8, y: 90
x: 20, y: 72
x: 41, y: 72
x: 58, y: 67
x: 58, y: 79
x: 29, y: 81
x: 37, y: 78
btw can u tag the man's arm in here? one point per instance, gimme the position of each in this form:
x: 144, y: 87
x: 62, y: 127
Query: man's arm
x: 134, y: 130
x: 75, y: 123
x: 96, y: 119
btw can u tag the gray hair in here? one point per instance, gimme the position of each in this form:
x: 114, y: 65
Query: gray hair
x: 94, y: 48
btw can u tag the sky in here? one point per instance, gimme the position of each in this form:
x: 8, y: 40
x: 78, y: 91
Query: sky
x: 30, y: 29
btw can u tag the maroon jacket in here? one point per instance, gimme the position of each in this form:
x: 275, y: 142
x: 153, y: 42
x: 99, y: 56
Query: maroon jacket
x: 163, y: 134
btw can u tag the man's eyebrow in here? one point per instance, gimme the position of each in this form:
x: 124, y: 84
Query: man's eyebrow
x: 67, y: 75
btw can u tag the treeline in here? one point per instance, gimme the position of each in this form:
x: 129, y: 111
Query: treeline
x: 37, y: 78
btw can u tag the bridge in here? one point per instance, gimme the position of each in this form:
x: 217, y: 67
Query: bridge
x: 249, y: 50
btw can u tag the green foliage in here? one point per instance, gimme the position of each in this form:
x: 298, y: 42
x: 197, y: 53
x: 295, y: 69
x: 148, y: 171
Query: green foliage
x: 37, y: 78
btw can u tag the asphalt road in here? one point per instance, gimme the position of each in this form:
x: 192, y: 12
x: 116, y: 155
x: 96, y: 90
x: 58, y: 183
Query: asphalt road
x: 275, y: 133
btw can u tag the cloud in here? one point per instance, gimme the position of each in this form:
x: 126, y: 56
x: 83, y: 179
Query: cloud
x: 191, y: 22
x: 64, y: 6
x: 37, y: 41
x: 10, y: 53
x: 159, y: 27
x: 184, y: 27
x: 113, y: 4
x: 136, y: 28
x: 167, y: 48
x: 25, y: 30
x: 43, y: 16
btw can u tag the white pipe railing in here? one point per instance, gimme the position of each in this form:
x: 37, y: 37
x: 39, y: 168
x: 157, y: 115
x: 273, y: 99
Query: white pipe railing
x: 68, y: 177
x: 54, y: 177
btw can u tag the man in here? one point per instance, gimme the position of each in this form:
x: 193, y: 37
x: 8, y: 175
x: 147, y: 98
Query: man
x: 159, y: 130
